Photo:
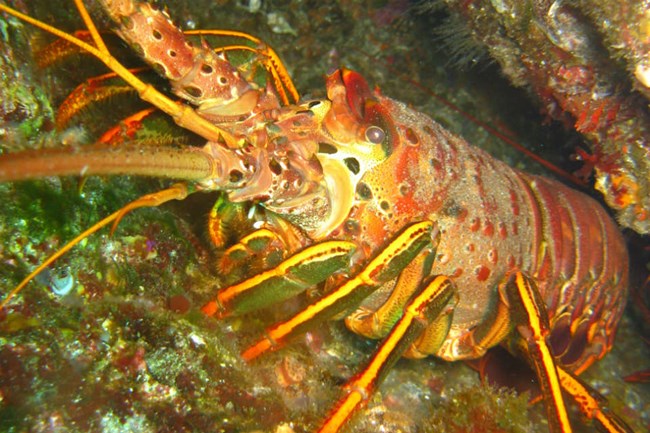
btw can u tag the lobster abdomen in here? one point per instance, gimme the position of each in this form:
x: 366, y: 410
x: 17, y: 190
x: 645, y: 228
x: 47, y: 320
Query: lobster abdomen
x: 582, y: 270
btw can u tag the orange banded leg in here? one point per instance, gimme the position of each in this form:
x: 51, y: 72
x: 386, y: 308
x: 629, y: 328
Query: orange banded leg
x: 93, y: 90
x: 59, y: 49
x: 383, y: 268
x: 529, y: 317
x: 520, y: 306
x: 175, y: 192
x: 592, y: 404
x: 429, y: 309
x: 127, y: 128
x: 253, y: 253
x: 265, y: 246
x: 294, y: 275
x: 376, y: 323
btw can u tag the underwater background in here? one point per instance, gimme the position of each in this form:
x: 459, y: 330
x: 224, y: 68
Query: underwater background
x: 112, y: 339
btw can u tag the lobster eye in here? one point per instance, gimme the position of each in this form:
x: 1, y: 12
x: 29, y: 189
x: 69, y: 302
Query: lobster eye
x: 374, y: 134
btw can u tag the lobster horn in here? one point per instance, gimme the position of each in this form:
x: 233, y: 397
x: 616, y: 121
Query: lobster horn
x: 188, y: 164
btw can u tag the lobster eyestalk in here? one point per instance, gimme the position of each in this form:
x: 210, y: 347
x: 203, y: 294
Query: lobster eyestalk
x: 190, y: 164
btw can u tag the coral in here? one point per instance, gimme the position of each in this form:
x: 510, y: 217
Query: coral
x: 586, y: 63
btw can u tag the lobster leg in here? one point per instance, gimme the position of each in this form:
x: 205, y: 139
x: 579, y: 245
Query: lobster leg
x: 521, y: 306
x: 383, y: 268
x: 430, y: 309
x: 125, y: 128
x: 299, y: 272
x: 591, y: 403
x: 93, y: 90
x: 227, y: 220
x: 263, y: 245
x: 530, y: 319
x: 377, y: 323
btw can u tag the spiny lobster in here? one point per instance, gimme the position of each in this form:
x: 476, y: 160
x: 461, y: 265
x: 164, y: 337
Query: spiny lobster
x: 420, y: 239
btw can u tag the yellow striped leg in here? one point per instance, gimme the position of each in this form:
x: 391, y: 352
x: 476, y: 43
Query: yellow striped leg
x: 376, y: 323
x: 592, y: 404
x: 383, y: 268
x: 530, y: 319
x: 294, y: 275
x: 427, y: 307
x: 252, y: 254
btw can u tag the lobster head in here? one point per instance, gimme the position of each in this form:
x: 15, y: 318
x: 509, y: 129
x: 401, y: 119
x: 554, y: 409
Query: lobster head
x: 305, y: 161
